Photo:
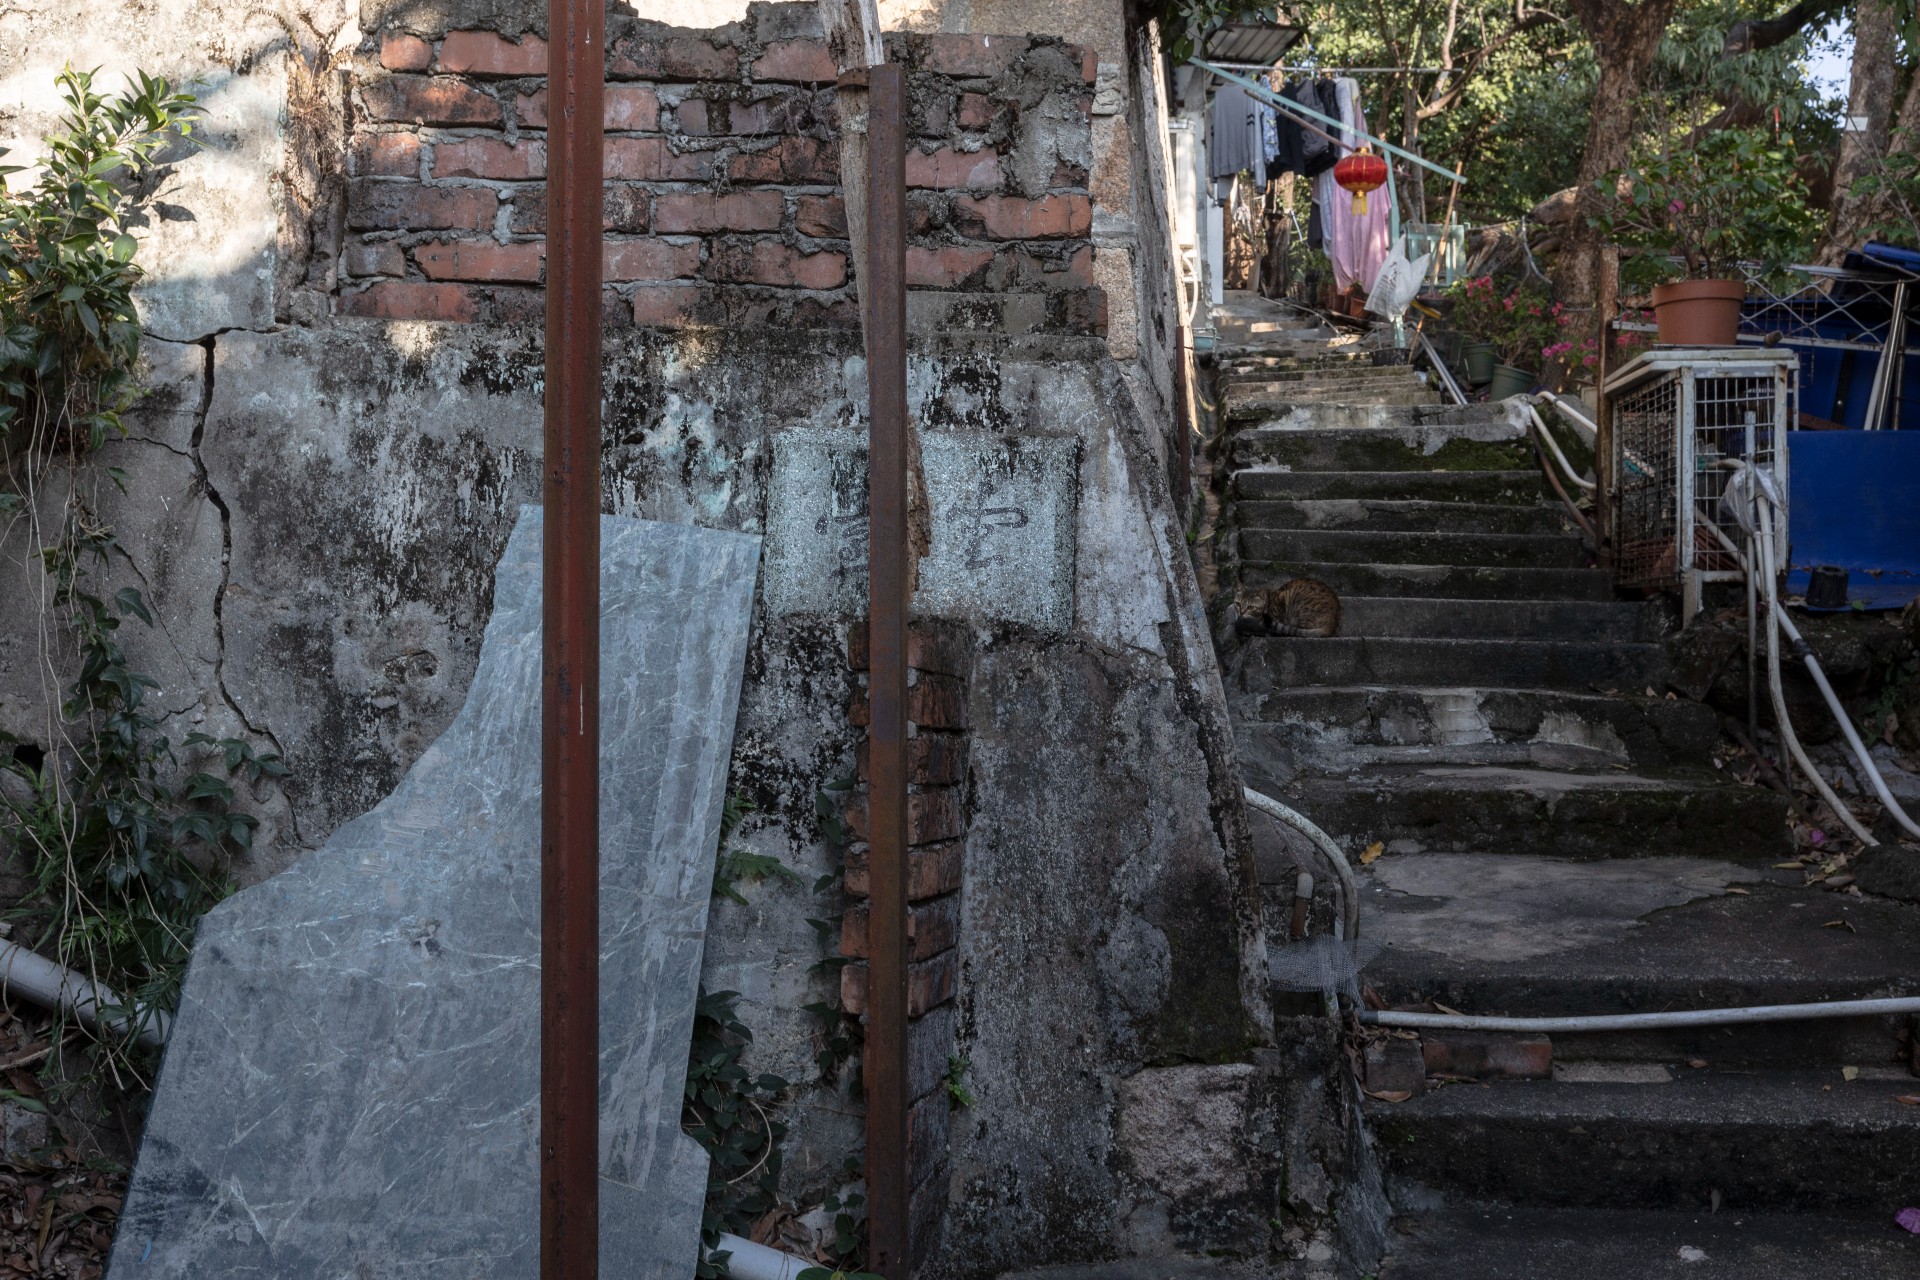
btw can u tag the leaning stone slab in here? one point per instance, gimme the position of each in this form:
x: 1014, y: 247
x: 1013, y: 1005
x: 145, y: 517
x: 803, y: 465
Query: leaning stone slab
x: 351, y: 1087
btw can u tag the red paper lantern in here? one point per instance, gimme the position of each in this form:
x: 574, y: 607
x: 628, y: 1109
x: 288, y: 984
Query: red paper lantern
x: 1360, y: 172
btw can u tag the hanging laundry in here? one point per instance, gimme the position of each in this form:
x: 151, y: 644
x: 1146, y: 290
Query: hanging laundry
x: 1234, y: 140
x: 1313, y: 155
x: 1357, y: 244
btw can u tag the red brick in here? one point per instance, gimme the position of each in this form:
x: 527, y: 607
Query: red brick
x: 485, y: 53
x: 649, y: 259
x: 408, y: 206
x: 1089, y: 60
x: 930, y: 984
x: 933, y: 759
x: 931, y: 646
x: 490, y: 158
x: 1482, y: 1054
x: 773, y: 263
x: 702, y: 212
x: 823, y: 217
x: 623, y: 208
x: 703, y: 117
x: 932, y: 870
x: 1082, y: 311
x: 1015, y: 218
x: 664, y: 305
x: 421, y: 100
x: 530, y: 109
x: 482, y: 260
x: 947, y: 168
x: 937, y: 702
x: 652, y: 160
x: 630, y: 106
x: 402, y: 52
x: 796, y: 62
x: 407, y: 300
x: 932, y: 928
x: 944, y: 268
x: 792, y: 160
x: 811, y: 311
x: 1079, y: 272
x: 967, y: 55
x: 932, y: 816
x: 362, y: 259
x: 679, y: 58
x: 976, y: 111
x: 386, y: 155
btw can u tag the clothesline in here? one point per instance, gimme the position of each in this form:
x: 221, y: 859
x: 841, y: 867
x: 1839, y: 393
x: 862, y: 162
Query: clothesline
x: 1330, y: 70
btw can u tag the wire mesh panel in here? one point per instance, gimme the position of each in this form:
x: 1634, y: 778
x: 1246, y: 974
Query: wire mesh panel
x: 1684, y: 421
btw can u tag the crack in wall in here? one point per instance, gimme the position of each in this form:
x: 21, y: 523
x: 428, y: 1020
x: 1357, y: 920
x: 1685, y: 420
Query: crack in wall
x: 201, y: 413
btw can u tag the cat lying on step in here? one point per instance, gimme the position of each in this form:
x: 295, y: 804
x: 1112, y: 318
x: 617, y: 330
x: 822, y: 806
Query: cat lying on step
x: 1301, y: 607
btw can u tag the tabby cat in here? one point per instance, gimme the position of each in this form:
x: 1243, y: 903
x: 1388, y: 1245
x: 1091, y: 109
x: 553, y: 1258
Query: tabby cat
x: 1301, y: 607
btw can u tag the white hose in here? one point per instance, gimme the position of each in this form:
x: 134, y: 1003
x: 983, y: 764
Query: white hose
x: 749, y: 1261
x: 54, y: 986
x: 1349, y: 906
x: 1826, y: 690
x: 1581, y: 422
x: 1643, y: 1021
x: 1554, y: 447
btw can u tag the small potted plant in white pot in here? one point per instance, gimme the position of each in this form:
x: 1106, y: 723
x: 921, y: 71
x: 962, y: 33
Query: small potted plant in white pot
x: 1695, y: 215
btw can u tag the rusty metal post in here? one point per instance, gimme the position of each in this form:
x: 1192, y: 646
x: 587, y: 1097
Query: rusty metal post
x: 884, y: 1063
x: 570, y: 652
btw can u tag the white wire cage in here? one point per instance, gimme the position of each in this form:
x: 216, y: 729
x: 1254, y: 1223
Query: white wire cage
x: 1681, y: 417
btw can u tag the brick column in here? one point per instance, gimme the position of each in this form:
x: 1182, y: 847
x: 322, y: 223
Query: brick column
x: 939, y: 657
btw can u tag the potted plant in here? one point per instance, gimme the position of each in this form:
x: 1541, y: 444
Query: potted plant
x: 1530, y: 322
x: 1695, y: 215
x: 1476, y: 313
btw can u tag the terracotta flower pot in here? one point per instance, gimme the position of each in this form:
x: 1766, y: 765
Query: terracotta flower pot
x: 1698, y: 313
x: 1509, y: 381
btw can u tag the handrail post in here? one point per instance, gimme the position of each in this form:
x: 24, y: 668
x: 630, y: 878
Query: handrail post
x: 884, y: 1062
x: 570, y: 652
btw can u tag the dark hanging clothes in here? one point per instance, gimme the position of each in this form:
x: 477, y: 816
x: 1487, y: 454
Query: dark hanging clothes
x: 1316, y: 229
x: 1232, y: 134
x: 1326, y: 98
x: 1315, y: 153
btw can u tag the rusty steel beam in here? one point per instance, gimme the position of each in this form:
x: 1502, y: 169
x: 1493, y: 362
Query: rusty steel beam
x: 570, y: 652
x: 884, y: 1062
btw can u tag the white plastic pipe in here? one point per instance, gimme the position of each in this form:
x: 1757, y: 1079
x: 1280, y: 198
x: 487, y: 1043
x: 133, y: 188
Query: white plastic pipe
x: 1553, y: 446
x: 749, y: 1261
x: 1644, y: 1021
x: 1581, y: 422
x: 1349, y: 893
x: 54, y: 986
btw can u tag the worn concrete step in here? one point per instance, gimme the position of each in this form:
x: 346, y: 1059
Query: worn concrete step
x: 1442, y: 619
x: 1388, y: 515
x: 1367, y: 438
x: 1511, y: 488
x: 1242, y: 390
x: 1306, y: 356
x: 1604, y: 814
x: 1464, y: 582
x: 1359, y: 546
x: 1306, y: 724
x: 1375, y: 395
x: 1807, y: 1141
x: 1622, y: 1244
x: 1266, y: 663
x: 1532, y: 936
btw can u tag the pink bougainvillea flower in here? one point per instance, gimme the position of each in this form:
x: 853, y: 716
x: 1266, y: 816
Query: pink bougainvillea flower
x: 1677, y: 206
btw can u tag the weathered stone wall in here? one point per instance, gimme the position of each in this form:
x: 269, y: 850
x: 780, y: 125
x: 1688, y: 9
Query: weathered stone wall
x: 722, y: 202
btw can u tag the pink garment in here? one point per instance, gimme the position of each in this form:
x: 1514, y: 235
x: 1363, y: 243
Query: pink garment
x: 1357, y: 245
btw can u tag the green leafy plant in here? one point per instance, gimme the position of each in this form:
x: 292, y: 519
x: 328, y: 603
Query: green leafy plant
x: 733, y: 1114
x: 734, y: 866
x: 1476, y: 311
x: 958, y: 1095
x: 1894, y: 190
x: 1185, y: 24
x: 1528, y: 324
x: 1700, y: 212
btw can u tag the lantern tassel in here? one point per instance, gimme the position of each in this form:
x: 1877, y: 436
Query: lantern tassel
x: 1359, y: 204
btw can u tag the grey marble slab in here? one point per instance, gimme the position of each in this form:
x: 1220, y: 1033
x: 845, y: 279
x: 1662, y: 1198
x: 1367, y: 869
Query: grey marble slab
x: 351, y: 1089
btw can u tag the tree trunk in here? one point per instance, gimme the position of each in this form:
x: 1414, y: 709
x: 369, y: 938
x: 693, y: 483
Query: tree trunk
x: 1869, y: 106
x: 1415, y: 196
x: 1625, y: 38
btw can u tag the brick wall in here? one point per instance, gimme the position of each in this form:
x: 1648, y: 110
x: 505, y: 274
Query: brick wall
x: 722, y: 201
x: 939, y: 657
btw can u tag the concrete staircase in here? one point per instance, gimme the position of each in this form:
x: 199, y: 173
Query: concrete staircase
x: 1556, y: 840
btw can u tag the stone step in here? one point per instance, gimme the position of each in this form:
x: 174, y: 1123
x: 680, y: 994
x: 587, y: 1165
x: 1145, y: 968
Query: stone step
x: 1807, y: 1141
x: 1279, y: 384
x: 1386, y: 395
x: 1359, y: 546
x: 1511, y: 488
x: 1417, y: 617
x: 1624, y: 1244
x: 1533, y: 936
x: 1300, y: 725
x: 1603, y: 814
x: 1265, y: 663
x: 1385, y: 515
x: 1307, y: 356
x: 1464, y: 582
x: 1367, y: 438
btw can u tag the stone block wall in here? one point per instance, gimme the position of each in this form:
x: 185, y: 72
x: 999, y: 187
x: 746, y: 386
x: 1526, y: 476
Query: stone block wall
x: 722, y: 202
x: 939, y: 662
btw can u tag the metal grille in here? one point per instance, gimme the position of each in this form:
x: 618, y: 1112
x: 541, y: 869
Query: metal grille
x: 1680, y: 418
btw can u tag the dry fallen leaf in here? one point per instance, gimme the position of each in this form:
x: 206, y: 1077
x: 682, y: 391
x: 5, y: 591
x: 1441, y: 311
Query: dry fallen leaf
x: 1373, y: 853
x: 1840, y: 924
x: 1788, y: 866
x: 1742, y: 892
x: 1390, y: 1095
x: 1850, y: 1073
x: 1444, y: 1009
x: 1696, y: 1063
x: 1909, y: 1099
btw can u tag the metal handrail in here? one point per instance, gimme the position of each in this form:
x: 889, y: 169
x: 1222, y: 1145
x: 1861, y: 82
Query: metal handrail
x: 1440, y: 366
x: 1559, y: 457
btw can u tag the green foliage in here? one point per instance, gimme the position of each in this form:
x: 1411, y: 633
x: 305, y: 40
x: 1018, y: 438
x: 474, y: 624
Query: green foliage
x: 69, y: 334
x: 1184, y: 24
x: 1732, y: 197
x: 734, y: 866
x: 1894, y: 189
x: 958, y: 1095
x: 731, y: 1113
x: 124, y: 853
